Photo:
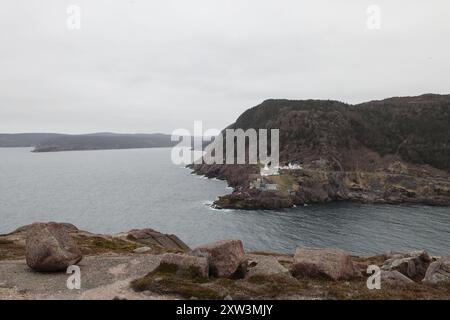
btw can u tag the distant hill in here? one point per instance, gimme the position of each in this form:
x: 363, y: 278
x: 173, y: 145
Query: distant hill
x: 22, y: 140
x: 103, y: 141
x: 49, y: 142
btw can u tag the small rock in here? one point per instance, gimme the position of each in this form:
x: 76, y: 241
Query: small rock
x: 142, y: 250
x: 393, y: 254
x: 330, y: 263
x: 228, y: 297
x: 196, y: 266
x: 413, y: 264
x: 438, y: 271
x: 49, y: 247
x: 225, y: 257
x: 265, y: 266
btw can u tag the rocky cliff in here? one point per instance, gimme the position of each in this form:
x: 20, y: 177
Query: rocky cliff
x: 391, y: 151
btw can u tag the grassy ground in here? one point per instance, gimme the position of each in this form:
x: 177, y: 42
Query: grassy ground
x: 283, y: 287
x: 169, y: 280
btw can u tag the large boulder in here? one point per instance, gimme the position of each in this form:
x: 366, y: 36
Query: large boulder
x: 226, y: 258
x: 50, y: 247
x: 413, y: 264
x: 333, y: 264
x: 190, y: 265
x: 438, y: 271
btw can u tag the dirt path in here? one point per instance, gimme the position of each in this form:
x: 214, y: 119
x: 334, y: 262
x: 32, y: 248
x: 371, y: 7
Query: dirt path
x: 102, y: 277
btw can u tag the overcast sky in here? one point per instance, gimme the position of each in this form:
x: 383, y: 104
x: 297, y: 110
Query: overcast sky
x: 154, y: 66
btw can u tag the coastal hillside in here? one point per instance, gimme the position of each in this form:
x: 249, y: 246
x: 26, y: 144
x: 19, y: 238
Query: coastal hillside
x: 390, y: 151
x: 357, y: 137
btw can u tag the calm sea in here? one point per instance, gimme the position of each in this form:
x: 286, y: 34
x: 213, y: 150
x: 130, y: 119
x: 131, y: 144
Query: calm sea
x: 113, y: 191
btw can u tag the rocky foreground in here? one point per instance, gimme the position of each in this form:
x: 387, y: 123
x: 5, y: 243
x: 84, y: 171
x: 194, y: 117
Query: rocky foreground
x: 145, y: 264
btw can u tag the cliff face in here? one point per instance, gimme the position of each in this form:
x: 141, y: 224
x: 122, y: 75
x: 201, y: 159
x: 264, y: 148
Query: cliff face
x: 402, y: 144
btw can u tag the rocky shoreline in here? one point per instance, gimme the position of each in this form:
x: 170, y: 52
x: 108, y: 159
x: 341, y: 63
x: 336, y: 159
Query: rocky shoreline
x: 145, y: 264
x: 308, y: 186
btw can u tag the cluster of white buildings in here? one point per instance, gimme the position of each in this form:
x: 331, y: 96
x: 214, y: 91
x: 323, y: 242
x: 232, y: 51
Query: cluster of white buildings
x: 292, y: 166
x: 262, y: 184
x: 275, y: 170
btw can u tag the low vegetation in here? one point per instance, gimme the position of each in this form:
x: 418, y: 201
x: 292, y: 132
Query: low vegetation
x: 168, y: 279
x: 97, y: 245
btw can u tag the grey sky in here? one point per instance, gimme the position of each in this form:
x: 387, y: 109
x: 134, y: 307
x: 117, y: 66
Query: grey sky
x: 153, y: 66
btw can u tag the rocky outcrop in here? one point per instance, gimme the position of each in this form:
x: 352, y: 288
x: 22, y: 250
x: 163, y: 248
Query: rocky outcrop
x: 367, y: 187
x: 195, y: 266
x: 414, y: 264
x: 49, y: 247
x: 152, y: 237
x: 299, y: 187
x: 225, y: 258
x: 323, y: 263
x: 254, y: 200
x: 438, y: 271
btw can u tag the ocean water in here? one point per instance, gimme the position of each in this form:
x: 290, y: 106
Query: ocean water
x: 118, y: 190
